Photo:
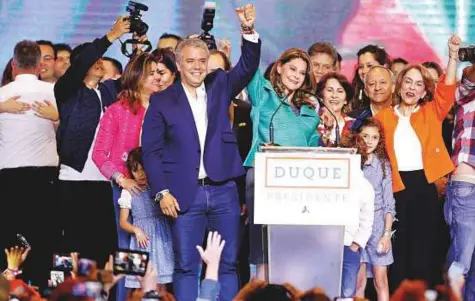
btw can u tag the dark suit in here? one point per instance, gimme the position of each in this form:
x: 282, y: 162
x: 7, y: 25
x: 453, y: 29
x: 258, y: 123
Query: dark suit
x: 171, y: 154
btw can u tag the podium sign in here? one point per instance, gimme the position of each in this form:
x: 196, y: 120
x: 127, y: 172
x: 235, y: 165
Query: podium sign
x: 306, y: 188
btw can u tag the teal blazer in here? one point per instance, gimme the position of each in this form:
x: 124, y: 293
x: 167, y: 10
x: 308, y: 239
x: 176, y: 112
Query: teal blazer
x: 289, y: 129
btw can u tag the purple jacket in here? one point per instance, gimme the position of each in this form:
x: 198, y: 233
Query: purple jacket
x: 171, y: 150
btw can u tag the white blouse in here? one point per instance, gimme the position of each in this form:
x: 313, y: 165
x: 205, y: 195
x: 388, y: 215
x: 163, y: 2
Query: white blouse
x: 407, y: 146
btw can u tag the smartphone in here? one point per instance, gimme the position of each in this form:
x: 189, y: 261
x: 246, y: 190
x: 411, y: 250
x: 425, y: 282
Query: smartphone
x: 55, y: 278
x: 62, y: 262
x: 343, y: 299
x: 86, y: 267
x: 130, y: 262
x: 23, y: 242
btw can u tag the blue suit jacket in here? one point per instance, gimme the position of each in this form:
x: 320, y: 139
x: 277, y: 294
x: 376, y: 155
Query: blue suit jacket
x: 171, y: 149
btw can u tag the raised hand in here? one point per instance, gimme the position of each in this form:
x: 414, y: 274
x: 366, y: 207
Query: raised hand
x: 246, y: 15
x: 13, y: 106
x: 455, y: 42
x: 110, y: 267
x: 121, y: 27
x: 15, y: 257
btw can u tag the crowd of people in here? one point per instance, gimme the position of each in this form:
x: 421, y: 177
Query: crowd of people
x: 159, y: 155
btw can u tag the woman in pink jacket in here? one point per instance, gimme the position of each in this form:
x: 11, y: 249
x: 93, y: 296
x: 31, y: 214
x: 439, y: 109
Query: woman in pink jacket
x: 120, y: 127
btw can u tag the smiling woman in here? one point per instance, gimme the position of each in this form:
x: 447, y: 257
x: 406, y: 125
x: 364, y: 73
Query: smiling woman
x: 282, y: 101
x: 418, y: 157
x: 337, y: 93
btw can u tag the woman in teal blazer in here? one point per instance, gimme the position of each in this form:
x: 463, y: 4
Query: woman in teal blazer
x: 295, y: 122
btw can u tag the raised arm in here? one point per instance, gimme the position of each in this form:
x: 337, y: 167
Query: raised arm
x: 72, y: 80
x: 240, y: 76
x: 444, y: 97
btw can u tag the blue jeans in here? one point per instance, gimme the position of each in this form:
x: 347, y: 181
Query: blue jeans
x: 123, y: 241
x: 349, y: 274
x: 215, y: 208
x: 459, y: 211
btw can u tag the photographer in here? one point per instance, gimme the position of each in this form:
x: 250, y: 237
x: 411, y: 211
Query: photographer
x: 82, y: 99
x: 459, y: 209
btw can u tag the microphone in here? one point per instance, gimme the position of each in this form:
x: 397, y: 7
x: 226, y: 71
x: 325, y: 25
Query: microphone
x: 337, y: 126
x: 271, y: 122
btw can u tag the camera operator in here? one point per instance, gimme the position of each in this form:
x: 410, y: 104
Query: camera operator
x: 459, y: 208
x: 82, y: 99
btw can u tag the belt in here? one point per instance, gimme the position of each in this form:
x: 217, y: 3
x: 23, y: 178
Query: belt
x: 463, y: 178
x: 208, y: 182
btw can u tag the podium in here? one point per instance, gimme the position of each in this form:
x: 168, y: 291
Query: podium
x: 304, y: 197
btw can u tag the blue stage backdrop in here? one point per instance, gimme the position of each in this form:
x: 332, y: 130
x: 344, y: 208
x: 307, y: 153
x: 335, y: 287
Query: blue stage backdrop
x: 415, y: 30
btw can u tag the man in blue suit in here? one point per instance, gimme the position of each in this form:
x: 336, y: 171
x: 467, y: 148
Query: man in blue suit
x: 191, y: 156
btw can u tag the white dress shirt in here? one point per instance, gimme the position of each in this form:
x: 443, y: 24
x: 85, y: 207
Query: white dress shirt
x: 27, y: 140
x: 407, y: 146
x: 199, y: 106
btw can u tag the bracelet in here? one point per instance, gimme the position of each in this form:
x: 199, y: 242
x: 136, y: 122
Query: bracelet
x: 389, y: 233
x: 247, y: 29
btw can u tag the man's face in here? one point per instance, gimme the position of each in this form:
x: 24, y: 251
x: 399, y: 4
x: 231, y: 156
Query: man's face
x: 47, y: 63
x: 215, y: 62
x: 110, y: 71
x: 322, y: 64
x: 397, y: 67
x: 379, y: 86
x: 193, y: 66
x: 62, y: 63
x: 167, y: 43
x: 97, y: 70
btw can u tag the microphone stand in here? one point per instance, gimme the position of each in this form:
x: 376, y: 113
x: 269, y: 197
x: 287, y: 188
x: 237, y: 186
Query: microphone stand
x: 337, y: 126
x: 271, y: 122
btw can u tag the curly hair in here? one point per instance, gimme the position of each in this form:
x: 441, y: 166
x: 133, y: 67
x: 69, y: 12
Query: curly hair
x: 353, y: 140
x: 380, y: 150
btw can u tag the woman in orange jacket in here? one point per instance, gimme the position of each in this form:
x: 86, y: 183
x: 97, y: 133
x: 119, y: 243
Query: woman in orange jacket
x: 418, y: 157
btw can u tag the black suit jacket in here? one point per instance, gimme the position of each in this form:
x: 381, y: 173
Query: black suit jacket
x: 242, y: 128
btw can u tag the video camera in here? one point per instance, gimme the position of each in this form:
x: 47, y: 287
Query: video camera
x: 467, y: 54
x: 137, y: 26
x: 135, y: 17
x: 207, y: 25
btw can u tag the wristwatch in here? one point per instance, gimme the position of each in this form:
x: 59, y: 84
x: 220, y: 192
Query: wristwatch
x: 159, y: 196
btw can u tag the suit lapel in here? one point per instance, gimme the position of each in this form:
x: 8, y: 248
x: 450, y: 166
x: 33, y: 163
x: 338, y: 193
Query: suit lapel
x: 209, y: 103
x: 186, y: 109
